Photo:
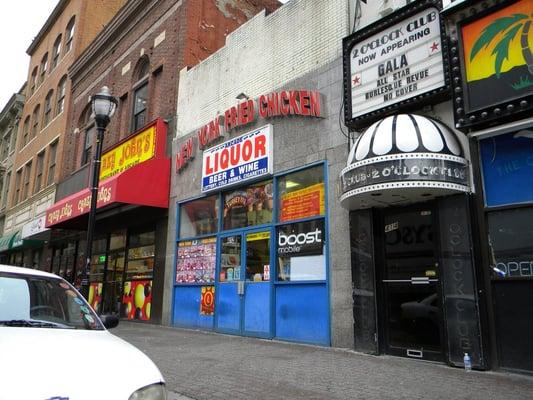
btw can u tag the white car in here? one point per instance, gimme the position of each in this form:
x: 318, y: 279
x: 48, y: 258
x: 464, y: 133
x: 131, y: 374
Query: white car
x: 54, y: 347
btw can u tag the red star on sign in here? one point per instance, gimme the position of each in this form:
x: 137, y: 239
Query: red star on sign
x: 434, y: 47
x: 356, y: 80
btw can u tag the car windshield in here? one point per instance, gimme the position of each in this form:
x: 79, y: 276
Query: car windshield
x: 43, y: 302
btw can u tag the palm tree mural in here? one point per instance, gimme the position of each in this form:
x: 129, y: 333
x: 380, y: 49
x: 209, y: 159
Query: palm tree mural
x: 506, y: 29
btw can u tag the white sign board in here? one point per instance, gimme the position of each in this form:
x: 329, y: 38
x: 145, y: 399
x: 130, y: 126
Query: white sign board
x: 34, y: 227
x: 398, y: 63
x: 240, y: 159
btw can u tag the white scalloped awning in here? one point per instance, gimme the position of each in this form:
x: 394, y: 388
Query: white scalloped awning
x: 403, y: 159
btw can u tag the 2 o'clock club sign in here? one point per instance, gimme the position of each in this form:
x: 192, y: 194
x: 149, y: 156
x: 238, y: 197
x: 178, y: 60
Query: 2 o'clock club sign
x: 387, y: 67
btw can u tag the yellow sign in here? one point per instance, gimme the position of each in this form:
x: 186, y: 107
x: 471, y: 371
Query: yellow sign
x: 303, y: 203
x: 257, y: 236
x: 136, y: 150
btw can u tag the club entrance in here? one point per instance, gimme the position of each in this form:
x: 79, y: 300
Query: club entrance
x: 411, y: 309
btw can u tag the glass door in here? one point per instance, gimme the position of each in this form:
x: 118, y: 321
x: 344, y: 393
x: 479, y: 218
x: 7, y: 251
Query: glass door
x: 412, y: 305
x: 244, y: 290
x: 114, y: 281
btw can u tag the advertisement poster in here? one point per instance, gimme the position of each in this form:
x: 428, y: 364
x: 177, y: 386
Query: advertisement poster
x: 137, y: 300
x: 95, y: 295
x: 303, y: 203
x: 207, y: 303
x: 251, y: 206
x: 497, y: 55
x: 398, y: 63
x: 245, y: 157
x: 196, y: 261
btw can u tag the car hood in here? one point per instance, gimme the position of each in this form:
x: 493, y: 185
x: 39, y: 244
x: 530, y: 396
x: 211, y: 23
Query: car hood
x: 43, y: 363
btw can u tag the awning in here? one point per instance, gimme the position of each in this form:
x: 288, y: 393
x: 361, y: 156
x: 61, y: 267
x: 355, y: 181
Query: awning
x: 6, y: 242
x: 146, y: 184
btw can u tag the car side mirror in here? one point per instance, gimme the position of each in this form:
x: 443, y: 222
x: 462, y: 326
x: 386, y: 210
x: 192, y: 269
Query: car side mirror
x: 109, y: 320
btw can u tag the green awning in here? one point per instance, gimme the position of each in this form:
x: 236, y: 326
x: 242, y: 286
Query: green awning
x: 19, y: 243
x: 6, y: 242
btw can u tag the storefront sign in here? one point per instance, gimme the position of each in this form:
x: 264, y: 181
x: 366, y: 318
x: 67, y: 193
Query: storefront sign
x: 303, y: 203
x: 493, y: 75
x: 207, y: 301
x: 507, y: 165
x: 252, y: 237
x: 136, y: 150
x: 245, y: 157
x: 34, y: 227
x: 405, y: 169
x: 399, y: 64
x: 186, y: 152
x: 301, y: 239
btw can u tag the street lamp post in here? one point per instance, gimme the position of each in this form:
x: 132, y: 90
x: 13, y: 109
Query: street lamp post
x: 103, y: 107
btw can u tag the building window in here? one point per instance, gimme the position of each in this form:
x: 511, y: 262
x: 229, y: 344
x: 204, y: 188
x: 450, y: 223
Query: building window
x: 140, y: 103
x: 47, y: 108
x: 248, y: 206
x: 26, y: 131
x: 6, y: 189
x: 88, y: 145
x: 56, y: 52
x: 69, y: 34
x: 51, y: 163
x: 39, y: 172
x: 33, y: 81
x: 44, y: 66
x: 61, y: 90
x: 26, y: 183
x: 5, y: 146
x: 18, y: 180
x: 35, y: 122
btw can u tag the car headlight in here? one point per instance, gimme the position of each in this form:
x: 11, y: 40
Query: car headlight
x: 151, y: 392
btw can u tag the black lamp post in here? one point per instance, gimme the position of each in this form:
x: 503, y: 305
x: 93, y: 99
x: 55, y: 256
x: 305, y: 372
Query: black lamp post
x: 103, y: 107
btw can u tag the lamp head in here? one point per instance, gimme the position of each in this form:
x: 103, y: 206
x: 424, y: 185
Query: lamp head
x: 103, y: 106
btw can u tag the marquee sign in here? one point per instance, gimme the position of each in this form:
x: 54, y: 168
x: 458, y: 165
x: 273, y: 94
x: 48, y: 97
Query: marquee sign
x: 240, y: 159
x: 393, y: 63
x: 492, y: 64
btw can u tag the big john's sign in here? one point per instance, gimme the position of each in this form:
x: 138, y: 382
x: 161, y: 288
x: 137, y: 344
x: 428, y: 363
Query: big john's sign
x: 305, y: 103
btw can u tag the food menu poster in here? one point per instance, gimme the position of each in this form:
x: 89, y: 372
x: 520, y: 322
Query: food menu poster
x: 196, y: 261
x: 303, y: 203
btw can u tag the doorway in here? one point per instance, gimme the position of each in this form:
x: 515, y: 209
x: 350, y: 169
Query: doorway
x: 244, y: 291
x: 411, y: 309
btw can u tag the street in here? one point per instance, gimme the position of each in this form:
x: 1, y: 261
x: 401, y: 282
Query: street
x: 199, y: 365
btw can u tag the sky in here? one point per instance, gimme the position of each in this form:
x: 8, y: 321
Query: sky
x: 20, y: 21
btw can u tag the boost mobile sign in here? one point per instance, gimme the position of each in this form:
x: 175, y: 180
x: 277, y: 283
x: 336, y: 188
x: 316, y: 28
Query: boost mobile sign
x: 240, y: 159
x: 301, y: 239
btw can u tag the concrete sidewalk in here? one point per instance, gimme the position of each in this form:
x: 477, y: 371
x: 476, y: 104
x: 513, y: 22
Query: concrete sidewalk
x: 199, y: 365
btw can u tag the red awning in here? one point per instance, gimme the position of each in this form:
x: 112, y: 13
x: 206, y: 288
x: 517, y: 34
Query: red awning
x: 146, y: 184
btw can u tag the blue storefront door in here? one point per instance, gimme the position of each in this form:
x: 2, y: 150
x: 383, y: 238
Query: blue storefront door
x: 244, y: 284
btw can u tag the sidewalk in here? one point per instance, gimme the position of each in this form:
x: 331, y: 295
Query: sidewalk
x: 199, y: 365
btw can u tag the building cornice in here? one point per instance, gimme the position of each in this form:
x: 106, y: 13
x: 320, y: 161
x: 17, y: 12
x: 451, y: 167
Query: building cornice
x: 47, y: 25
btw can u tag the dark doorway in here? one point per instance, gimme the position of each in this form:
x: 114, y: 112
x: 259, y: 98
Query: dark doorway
x: 411, y: 310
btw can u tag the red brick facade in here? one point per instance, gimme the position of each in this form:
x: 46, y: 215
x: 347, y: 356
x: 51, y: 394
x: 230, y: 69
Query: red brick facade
x: 168, y: 34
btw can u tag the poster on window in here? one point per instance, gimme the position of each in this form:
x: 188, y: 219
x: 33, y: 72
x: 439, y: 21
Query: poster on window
x: 303, y: 203
x: 207, y: 303
x: 137, y: 300
x: 196, y: 261
x: 95, y: 295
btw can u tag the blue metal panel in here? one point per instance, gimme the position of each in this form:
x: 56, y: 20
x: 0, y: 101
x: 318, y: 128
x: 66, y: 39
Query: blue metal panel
x: 187, y: 308
x: 302, y: 313
x: 257, y: 308
x: 228, y: 307
x: 507, y: 162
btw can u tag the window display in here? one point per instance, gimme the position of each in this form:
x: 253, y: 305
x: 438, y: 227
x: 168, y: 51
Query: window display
x: 196, y: 261
x: 301, y: 194
x: 141, y: 256
x: 230, y: 259
x: 248, y: 206
x: 199, y: 217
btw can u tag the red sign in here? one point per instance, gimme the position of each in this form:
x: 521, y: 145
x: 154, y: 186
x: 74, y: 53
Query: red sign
x: 207, y: 303
x: 137, y: 299
x: 185, y: 154
x: 303, y: 203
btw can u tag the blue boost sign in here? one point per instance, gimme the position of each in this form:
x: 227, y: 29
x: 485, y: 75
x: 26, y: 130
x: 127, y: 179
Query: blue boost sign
x: 507, y: 164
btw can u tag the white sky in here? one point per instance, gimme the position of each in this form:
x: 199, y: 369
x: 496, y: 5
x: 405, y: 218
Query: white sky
x: 20, y: 21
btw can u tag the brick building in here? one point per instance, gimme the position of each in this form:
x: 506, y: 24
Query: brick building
x: 138, y: 56
x: 39, y: 146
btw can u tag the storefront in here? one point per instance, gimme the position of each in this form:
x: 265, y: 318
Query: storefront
x: 127, y: 264
x: 252, y: 251
x: 493, y: 73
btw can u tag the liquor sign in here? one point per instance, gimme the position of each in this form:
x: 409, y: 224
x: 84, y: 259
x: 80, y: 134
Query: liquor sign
x: 133, y: 151
x: 493, y: 67
x: 387, y: 68
x: 240, y: 159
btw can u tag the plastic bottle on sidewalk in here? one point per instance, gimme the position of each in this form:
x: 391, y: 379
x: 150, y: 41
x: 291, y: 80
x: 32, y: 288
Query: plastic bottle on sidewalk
x: 467, y: 362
